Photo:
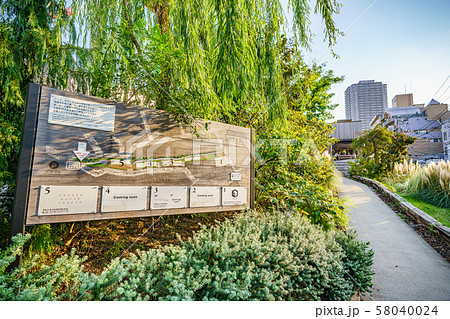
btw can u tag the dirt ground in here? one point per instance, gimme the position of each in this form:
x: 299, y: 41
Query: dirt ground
x: 103, y: 241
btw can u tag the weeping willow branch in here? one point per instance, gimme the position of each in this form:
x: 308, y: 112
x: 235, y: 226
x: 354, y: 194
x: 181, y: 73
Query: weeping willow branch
x: 130, y: 27
x: 218, y: 59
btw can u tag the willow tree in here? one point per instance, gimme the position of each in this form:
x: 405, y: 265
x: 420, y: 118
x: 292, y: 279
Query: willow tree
x: 31, y: 49
x: 211, y: 58
x: 215, y: 59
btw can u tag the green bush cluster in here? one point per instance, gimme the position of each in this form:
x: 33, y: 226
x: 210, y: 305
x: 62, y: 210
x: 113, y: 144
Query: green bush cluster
x: 367, y: 167
x: 313, y: 201
x: 378, y: 151
x: 275, y: 256
x: 295, y: 174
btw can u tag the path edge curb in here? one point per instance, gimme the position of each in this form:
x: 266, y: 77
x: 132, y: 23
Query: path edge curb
x: 420, y: 216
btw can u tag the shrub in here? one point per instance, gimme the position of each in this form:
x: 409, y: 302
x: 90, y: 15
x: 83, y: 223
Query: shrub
x: 303, y: 180
x: 252, y: 257
x: 378, y: 150
x: 58, y: 281
x: 366, y: 167
x: 401, y: 174
x: 314, y: 201
x: 357, y: 261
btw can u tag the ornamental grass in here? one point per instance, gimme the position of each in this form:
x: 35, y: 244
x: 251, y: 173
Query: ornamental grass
x: 430, y: 183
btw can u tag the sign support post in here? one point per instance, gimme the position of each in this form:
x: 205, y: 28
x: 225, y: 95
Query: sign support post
x: 25, y: 163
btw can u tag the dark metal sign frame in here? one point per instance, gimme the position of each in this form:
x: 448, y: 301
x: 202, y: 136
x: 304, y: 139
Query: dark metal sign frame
x: 27, y: 158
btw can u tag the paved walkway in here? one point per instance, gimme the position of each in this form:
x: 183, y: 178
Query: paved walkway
x: 406, y: 267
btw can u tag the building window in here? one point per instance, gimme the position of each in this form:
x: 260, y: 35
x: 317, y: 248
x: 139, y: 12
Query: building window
x: 445, y: 136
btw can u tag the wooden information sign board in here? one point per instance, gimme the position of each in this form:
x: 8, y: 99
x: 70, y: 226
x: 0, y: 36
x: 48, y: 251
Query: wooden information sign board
x: 86, y: 158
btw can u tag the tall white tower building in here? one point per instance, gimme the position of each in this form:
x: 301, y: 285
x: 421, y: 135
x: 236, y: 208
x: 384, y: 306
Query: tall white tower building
x: 364, y: 100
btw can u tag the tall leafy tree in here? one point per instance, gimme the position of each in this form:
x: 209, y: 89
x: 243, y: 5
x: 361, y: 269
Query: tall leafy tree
x: 36, y: 45
x: 225, y: 55
x: 378, y: 150
x: 215, y: 59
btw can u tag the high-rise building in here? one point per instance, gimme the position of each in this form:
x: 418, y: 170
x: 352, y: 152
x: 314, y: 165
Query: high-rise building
x: 364, y: 100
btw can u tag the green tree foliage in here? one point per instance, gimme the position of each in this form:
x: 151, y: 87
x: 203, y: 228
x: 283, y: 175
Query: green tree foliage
x: 307, y: 87
x: 252, y: 257
x: 214, y: 59
x: 293, y: 173
x: 31, y: 49
x: 292, y: 170
x: 378, y: 150
x: 219, y: 60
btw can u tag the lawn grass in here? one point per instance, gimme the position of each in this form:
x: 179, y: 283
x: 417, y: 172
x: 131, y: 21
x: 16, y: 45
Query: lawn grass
x: 440, y: 214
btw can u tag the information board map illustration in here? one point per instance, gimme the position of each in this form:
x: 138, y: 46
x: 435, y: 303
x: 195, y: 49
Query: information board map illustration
x: 87, y: 141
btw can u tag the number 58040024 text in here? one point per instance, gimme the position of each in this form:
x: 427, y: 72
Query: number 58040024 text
x: 406, y: 310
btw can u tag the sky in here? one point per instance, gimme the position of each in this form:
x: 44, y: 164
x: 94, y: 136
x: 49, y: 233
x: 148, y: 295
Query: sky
x: 402, y: 43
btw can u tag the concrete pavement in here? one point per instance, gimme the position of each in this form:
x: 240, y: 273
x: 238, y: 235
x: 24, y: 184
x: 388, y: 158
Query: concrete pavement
x: 406, y: 267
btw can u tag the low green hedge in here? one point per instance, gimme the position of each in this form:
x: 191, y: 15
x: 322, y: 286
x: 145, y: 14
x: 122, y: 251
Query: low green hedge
x: 277, y: 256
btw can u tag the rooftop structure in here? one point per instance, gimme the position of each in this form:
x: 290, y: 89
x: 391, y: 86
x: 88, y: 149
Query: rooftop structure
x: 402, y: 100
x: 347, y: 130
x: 424, y: 123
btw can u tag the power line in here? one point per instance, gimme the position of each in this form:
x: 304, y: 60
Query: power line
x: 351, y: 26
x: 440, y: 87
x: 444, y: 92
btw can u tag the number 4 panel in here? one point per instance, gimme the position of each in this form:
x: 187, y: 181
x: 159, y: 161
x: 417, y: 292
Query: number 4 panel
x: 63, y: 200
x: 124, y: 198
